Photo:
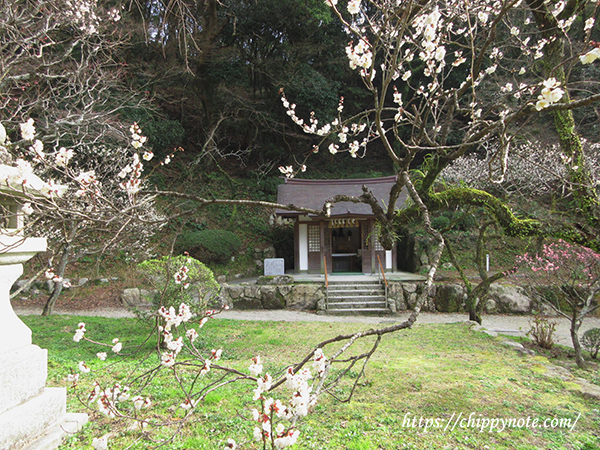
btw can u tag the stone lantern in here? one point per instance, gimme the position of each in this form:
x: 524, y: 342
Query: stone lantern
x: 32, y: 416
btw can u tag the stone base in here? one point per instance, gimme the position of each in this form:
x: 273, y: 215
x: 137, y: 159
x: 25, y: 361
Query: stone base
x: 54, y: 436
x: 23, y: 375
x: 26, y: 422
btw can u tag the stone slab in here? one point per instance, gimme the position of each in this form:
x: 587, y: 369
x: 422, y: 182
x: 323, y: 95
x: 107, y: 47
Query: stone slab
x: 53, y: 437
x: 23, y: 424
x: 274, y: 266
x: 23, y: 375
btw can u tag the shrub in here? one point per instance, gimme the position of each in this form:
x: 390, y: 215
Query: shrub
x: 440, y: 222
x: 542, y: 332
x: 209, y: 246
x: 591, y: 341
x: 180, y: 279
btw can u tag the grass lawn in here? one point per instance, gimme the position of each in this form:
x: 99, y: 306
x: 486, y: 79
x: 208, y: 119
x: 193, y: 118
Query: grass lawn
x: 438, y: 375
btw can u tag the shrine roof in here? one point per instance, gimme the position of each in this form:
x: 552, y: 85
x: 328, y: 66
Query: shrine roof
x: 315, y: 193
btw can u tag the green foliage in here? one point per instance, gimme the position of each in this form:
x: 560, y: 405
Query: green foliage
x: 197, y: 287
x: 163, y: 134
x: 591, y: 341
x: 454, y: 221
x: 441, y: 222
x: 210, y: 246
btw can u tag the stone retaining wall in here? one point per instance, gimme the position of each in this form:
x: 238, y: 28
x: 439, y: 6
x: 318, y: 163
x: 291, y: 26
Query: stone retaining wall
x: 277, y: 295
x: 281, y: 292
x: 445, y: 297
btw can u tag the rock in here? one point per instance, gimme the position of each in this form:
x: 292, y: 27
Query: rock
x: 104, y: 281
x: 409, y: 287
x: 509, y: 299
x: 449, y: 298
x: 396, y: 295
x: 275, y: 280
x: 515, y: 345
x: 130, y: 297
x: 271, y: 298
x: 447, y: 266
x: 241, y: 296
x: 19, y: 284
x: 305, y: 297
x: 285, y: 289
x: 269, y: 252
x: 490, y: 306
x: 136, y: 298
x: 410, y: 299
x: 221, y: 279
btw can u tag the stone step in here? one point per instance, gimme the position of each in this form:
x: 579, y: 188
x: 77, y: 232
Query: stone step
x: 351, y: 298
x: 365, y: 293
x: 356, y: 298
x: 352, y: 305
x: 354, y: 286
x: 378, y: 311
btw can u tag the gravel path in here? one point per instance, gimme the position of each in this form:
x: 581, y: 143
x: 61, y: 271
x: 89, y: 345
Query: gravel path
x: 510, y: 325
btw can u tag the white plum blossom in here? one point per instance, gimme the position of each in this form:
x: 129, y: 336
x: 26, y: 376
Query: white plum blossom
x: 354, y: 6
x: 73, y: 377
x: 360, y: 56
x: 81, y: 327
x: 188, y: 404
x: 287, y: 439
x: 353, y: 149
x: 181, y: 275
x: 140, y: 402
x: 551, y: 93
x: 589, y: 24
x: 256, y: 367
x: 83, y: 367
x: 167, y: 359
x: 216, y: 354
x: 63, y: 157
x: 590, y: 56
x: 191, y: 334
x: 114, y: 15
x: 101, y: 356
x: 136, y: 135
x: 117, y: 346
x: 27, y: 209
x: 28, y: 130
x: 38, y: 148
x: 288, y: 171
x: 319, y: 361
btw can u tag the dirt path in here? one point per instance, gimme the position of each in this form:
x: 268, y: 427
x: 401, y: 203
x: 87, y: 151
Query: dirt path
x: 502, y: 324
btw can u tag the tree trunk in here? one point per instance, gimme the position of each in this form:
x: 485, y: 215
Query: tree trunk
x: 475, y: 316
x: 60, y: 272
x: 575, y: 324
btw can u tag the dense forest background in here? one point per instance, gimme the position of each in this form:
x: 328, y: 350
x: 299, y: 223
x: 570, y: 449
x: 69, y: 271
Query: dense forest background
x: 206, y: 77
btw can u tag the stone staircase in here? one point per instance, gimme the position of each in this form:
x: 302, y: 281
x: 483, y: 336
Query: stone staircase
x: 356, y: 297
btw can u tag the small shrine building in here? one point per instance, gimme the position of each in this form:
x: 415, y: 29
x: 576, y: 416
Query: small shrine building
x: 344, y: 242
